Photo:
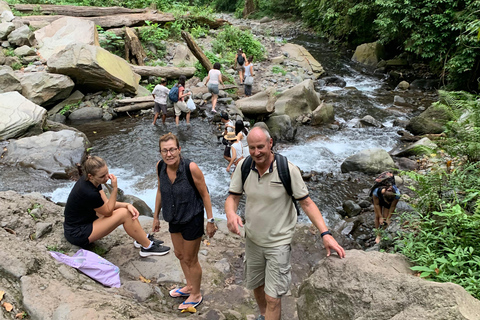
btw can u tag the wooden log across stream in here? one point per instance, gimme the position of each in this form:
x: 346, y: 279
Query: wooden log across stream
x: 74, y: 11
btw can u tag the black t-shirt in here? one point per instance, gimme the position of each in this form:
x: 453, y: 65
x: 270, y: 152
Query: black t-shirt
x: 82, y: 201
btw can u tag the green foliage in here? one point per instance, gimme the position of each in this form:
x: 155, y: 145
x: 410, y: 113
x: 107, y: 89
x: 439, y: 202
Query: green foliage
x: 16, y: 66
x: 443, y: 239
x: 230, y: 39
x: 68, y: 108
x: 110, y: 41
x: 202, y: 72
x: 464, y: 132
x: 9, y: 52
x: 278, y: 69
x: 54, y: 248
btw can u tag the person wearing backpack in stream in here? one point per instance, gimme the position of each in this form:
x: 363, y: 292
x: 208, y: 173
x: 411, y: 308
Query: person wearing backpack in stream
x: 176, y: 95
x: 385, y: 196
x: 240, y: 58
x: 270, y: 219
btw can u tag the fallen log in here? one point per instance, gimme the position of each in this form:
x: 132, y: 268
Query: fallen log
x: 106, y: 22
x: 134, y: 100
x: 135, y: 107
x: 259, y: 104
x: 134, y: 52
x: 198, y: 53
x: 213, y: 24
x: 74, y: 11
x: 165, y: 72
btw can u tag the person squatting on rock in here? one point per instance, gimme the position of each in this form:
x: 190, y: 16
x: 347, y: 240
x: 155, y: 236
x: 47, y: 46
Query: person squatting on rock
x: 212, y: 81
x: 183, y: 196
x: 181, y: 106
x: 229, y: 127
x: 240, y: 58
x: 160, y: 94
x: 270, y: 219
x: 248, y: 73
x: 90, y: 215
x: 385, y: 201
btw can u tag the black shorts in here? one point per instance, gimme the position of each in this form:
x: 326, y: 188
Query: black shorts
x: 227, y: 153
x: 79, y: 235
x: 157, y: 107
x: 191, y: 230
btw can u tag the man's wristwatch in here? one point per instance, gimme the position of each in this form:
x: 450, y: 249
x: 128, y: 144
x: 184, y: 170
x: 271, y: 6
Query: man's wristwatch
x: 325, y: 233
x: 211, y: 220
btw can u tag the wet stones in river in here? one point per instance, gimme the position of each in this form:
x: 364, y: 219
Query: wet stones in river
x: 370, y: 161
x: 351, y: 209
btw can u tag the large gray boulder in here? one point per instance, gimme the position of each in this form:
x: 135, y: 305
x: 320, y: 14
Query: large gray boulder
x: 422, y: 146
x: 323, y: 114
x: 8, y: 81
x: 64, y: 31
x: 73, y: 99
x: 87, y: 113
x: 379, y: 286
x: 432, y: 120
x: 53, y: 152
x: 22, y: 36
x: 303, y: 58
x: 281, y: 128
x: 6, y: 14
x: 261, y: 103
x: 370, y: 161
x: 5, y: 29
x: 45, y: 88
x: 94, y: 68
x: 369, y: 53
x: 18, y: 115
x: 183, y: 57
x: 298, y: 100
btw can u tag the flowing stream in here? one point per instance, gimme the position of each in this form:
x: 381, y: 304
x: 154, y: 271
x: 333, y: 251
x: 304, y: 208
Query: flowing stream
x: 130, y: 145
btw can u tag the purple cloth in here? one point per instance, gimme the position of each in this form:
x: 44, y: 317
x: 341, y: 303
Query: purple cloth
x: 92, y: 265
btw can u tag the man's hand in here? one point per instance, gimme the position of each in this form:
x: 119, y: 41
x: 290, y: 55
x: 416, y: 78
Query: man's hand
x: 330, y: 243
x: 233, y: 221
x: 133, y: 211
x: 155, y: 225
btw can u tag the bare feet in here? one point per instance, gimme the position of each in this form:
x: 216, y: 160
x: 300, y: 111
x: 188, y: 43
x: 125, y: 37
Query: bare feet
x: 377, y: 240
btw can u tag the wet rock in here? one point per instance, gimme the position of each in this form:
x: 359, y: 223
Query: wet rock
x: 281, y: 128
x: 405, y: 164
x: 425, y: 84
x: 351, y: 208
x: 334, y: 81
x: 369, y: 121
x: 403, y: 85
x: 370, y: 161
x: 298, y: 100
x: 369, y: 53
x: 323, y: 114
x: 432, y: 120
x: 86, y: 113
x: 423, y: 146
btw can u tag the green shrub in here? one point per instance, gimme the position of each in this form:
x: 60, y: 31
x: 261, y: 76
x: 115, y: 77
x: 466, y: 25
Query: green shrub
x: 230, y: 39
x: 278, y: 69
x: 443, y: 239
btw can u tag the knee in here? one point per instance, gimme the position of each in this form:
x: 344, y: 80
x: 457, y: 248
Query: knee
x: 272, y: 303
x: 189, y: 261
x: 122, y: 213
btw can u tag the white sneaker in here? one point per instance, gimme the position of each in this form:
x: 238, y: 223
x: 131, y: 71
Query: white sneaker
x: 150, y: 237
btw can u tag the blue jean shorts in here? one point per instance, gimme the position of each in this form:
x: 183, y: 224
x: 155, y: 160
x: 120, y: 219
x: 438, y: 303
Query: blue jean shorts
x: 213, y: 88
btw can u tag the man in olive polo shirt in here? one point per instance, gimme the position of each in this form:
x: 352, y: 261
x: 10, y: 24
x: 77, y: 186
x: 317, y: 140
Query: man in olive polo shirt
x: 270, y: 218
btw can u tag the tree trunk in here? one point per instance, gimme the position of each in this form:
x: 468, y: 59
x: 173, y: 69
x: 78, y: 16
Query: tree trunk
x: 115, y: 21
x: 198, y: 53
x: 135, y: 107
x: 259, y: 104
x: 134, y: 52
x: 213, y: 24
x: 165, y: 72
x: 249, y: 8
x: 73, y: 11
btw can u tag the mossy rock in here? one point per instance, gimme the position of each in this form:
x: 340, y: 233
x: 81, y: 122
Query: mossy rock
x: 432, y: 120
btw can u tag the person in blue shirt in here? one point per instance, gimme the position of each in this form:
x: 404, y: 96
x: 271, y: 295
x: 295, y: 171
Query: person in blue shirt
x: 385, y: 200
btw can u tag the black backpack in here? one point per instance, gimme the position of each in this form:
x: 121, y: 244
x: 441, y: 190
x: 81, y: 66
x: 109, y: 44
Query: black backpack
x: 189, y: 175
x: 283, y: 173
x: 240, y: 60
x: 385, y: 179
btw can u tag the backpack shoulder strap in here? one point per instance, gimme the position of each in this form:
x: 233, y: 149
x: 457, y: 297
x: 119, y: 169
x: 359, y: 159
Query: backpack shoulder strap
x: 284, y: 175
x: 246, y: 167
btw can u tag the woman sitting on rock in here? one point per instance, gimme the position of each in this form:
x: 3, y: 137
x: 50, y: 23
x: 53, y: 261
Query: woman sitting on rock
x: 90, y: 215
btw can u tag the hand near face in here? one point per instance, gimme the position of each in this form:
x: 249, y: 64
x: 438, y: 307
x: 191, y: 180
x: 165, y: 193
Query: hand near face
x: 113, y: 180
